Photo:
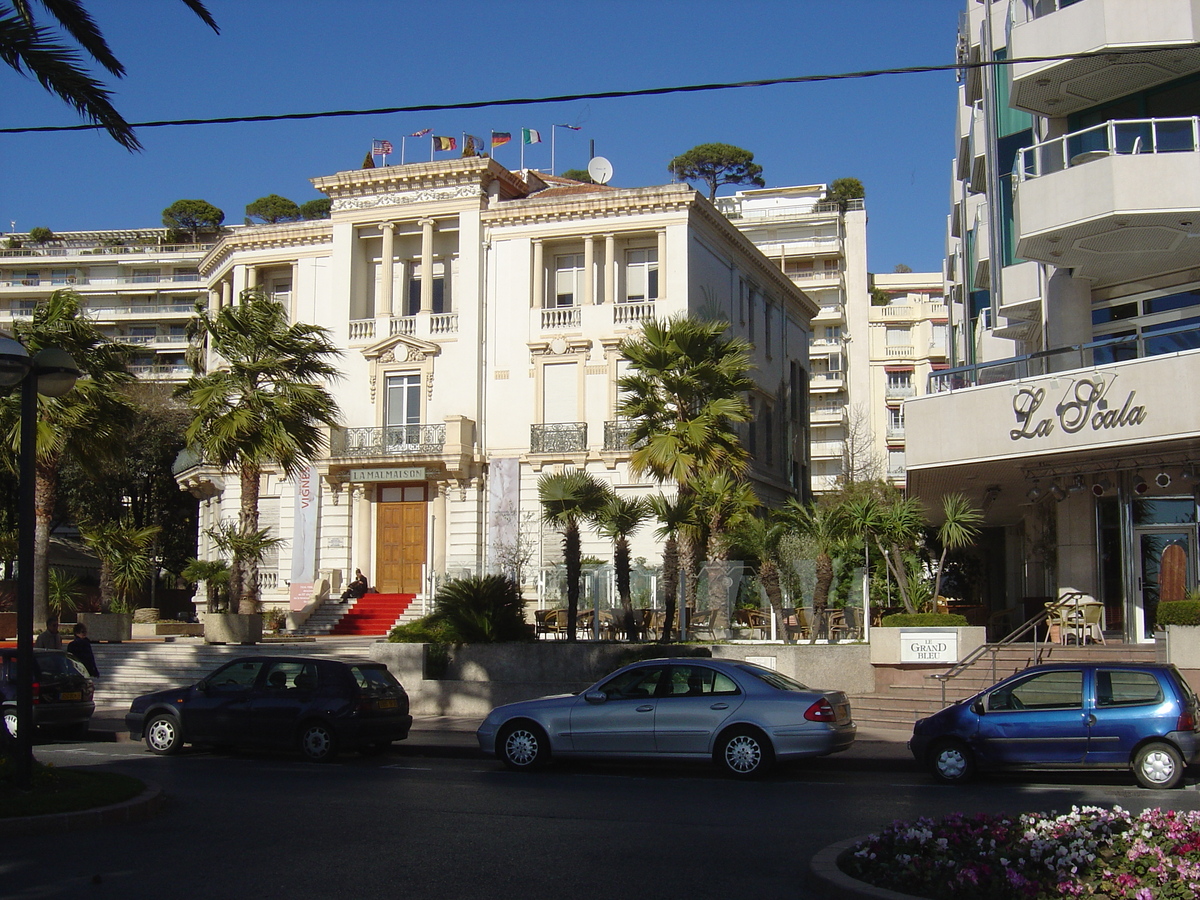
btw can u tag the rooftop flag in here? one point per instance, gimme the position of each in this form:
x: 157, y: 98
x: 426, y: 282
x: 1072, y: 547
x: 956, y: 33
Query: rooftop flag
x: 381, y: 148
x: 444, y: 143
x: 471, y: 144
x: 572, y: 127
x: 530, y: 136
x: 421, y: 133
x: 501, y: 137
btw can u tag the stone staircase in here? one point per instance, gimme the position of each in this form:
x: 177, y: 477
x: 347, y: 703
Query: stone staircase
x: 130, y: 669
x: 371, y: 614
x: 914, y: 695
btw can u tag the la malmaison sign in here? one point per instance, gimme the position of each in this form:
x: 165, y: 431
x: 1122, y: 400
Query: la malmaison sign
x: 1088, y: 404
x: 417, y: 473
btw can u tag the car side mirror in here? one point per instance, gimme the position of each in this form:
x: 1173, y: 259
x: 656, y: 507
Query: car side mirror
x: 977, y: 706
x: 595, y: 697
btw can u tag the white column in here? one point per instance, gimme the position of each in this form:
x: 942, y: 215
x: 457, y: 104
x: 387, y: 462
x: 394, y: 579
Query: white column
x: 610, y: 268
x: 662, y: 263
x: 383, y: 304
x: 295, y: 292
x: 589, y: 271
x: 539, y: 275
x: 426, y: 265
x: 251, y: 277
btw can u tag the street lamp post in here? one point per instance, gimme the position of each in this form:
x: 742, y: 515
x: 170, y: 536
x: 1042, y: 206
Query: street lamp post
x: 52, y: 372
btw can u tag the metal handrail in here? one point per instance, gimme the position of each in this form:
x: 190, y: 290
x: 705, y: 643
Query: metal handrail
x: 1067, y: 599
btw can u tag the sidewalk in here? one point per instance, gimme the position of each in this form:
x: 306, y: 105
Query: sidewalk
x: 454, y: 736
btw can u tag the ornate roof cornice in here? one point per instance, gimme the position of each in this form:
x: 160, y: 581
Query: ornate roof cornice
x: 286, y: 235
x: 667, y: 198
x: 418, y: 182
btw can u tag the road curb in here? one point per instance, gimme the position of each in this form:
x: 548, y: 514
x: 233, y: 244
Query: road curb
x: 836, y: 883
x: 142, y: 807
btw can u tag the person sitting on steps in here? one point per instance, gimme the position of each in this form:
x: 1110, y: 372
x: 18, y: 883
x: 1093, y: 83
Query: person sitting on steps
x: 357, y: 588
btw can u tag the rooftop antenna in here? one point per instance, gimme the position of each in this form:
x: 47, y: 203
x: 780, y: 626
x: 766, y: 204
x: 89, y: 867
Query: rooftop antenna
x: 600, y: 169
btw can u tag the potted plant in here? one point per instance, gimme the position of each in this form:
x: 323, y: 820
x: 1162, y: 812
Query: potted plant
x: 244, y: 545
x: 125, y: 552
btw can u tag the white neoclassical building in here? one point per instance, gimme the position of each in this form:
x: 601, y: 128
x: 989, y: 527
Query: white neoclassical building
x: 480, y: 311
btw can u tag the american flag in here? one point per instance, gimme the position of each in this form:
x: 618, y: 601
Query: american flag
x: 381, y: 147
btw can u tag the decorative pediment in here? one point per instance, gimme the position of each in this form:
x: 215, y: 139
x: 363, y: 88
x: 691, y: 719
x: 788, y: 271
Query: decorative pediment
x: 401, y: 348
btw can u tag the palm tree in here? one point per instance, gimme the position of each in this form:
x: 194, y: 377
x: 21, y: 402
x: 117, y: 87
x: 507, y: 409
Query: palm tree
x: 959, y: 528
x: 826, y: 529
x: 265, y: 405
x: 900, y: 526
x: 246, y: 548
x: 762, y: 536
x: 569, y: 498
x: 674, y: 516
x: 125, y: 552
x: 619, y: 518
x: 215, y: 575
x: 89, y: 422
x: 685, y: 395
x: 29, y: 47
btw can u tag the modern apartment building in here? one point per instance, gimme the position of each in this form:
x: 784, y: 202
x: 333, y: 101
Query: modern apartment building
x: 1073, y: 248
x: 821, y: 245
x: 135, y: 287
x: 480, y: 311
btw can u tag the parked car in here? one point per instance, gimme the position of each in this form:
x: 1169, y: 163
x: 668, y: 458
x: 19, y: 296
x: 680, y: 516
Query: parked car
x: 62, y: 691
x: 318, y: 706
x: 742, y: 716
x: 1068, y: 716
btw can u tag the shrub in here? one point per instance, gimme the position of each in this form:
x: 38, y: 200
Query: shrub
x: 482, y: 610
x: 422, y: 631
x: 928, y: 620
x: 1179, y: 612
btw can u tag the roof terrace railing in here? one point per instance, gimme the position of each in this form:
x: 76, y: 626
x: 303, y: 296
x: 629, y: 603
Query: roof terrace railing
x: 1114, y: 138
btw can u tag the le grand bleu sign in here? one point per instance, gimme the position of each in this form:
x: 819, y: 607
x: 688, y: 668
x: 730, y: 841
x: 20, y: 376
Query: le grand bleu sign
x: 1089, y: 404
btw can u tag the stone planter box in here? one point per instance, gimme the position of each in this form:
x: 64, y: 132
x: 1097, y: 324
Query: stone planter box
x: 8, y: 625
x: 110, y: 627
x: 232, y: 628
x: 1183, y: 646
x: 888, y: 647
x: 158, y: 629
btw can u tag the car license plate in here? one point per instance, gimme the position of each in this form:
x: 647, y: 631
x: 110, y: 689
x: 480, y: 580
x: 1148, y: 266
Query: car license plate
x: 70, y: 695
x: 386, y: 704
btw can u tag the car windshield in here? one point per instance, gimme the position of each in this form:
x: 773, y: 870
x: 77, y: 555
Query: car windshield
x: 55, y: 664
x: 773, y: 678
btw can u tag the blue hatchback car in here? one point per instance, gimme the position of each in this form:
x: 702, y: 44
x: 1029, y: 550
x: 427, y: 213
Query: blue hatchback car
x: 1068, y: 716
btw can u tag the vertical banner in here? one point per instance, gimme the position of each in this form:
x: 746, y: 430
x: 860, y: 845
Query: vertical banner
x: 504, y: 522
x: 304, y: 536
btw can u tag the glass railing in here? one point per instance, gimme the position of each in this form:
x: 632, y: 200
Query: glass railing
x: 1105, y: 351
x: 1118, y: 137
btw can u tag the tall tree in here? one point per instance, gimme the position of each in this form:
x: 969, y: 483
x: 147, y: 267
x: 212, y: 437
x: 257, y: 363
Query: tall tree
x: 844, y: 189
x: 193, y: 216
x: 617, y: 520
x: 685, y: 394
x: 959, y: 528
x: 265, y: 404
x: 762, y: 536
x: 89, y: 422
x: 125, y: 552
x: 273, y: 209
x: 569, y: 498
x: 825, y: 527
x: 316, y: 209
x: 674, y: 516
x: 715, y: 165
x: 31, y: 48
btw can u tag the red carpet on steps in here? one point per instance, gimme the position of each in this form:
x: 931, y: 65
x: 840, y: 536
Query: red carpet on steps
x: 374, y: 614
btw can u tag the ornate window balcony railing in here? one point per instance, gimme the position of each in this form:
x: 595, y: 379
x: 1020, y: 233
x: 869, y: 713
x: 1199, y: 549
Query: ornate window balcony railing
x: 633, y: 312
x: 561, y: 317
x: 390, y: 440
x: 558, y: 437
x: 617, y: 434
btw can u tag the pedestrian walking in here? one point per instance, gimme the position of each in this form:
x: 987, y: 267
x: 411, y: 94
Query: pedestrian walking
x: 81, y: 649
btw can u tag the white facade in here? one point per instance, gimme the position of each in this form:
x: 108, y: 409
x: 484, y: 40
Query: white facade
x: 135, y: 288
x: 821, y: 246
x: 1072, y: 250
x: 479, y: 311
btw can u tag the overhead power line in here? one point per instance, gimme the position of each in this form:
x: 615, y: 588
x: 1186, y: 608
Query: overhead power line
x: 610, y: 95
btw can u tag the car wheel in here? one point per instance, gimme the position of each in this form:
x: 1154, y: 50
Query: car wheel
x: 523, y: 746
x: 744, y: 753
x: 952, y: 763
x: 318, y: 742
x: 10, y: 722
x: 163, y: 735
x: 1158, y: 766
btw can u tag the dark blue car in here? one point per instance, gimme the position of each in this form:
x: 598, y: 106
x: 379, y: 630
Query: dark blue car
x: 1068, y: 716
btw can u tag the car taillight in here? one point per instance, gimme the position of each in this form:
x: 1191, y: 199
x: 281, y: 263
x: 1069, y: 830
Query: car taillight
x: 37, y: 692
x: 820, y: 711
x: 1187, y: 721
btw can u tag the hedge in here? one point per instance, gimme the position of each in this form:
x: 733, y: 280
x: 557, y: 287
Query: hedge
x: 926, y: 620
x: 1179, y: 612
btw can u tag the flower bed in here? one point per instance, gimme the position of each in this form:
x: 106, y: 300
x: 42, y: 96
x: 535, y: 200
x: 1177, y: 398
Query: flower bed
x: 1089, y: 852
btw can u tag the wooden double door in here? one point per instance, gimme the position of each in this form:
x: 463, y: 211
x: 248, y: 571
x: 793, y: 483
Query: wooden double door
x: 401, y: 539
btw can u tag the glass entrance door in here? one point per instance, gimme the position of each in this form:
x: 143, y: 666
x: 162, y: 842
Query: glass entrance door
x: 1164, y: 535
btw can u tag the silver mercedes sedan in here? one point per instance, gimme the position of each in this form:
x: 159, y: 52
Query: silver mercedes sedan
x: 742, y: 716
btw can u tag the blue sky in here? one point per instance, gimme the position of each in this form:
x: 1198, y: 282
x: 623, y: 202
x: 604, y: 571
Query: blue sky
x: 894, y: 133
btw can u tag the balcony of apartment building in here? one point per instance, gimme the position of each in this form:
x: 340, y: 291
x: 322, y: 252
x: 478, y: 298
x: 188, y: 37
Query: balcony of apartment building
x: 558, y: 439
x: 826, y: 382
x: 738, y: 209
x: 595, y: 318
x: 1055, y: 28
x: 826, y: 449
x: 167, y: 371
x: 826, y: 413
x: 618, y: 437
x: 429, y: 325
x: 1115, y: 202
x: 829, y: 312
x: 449, y: 445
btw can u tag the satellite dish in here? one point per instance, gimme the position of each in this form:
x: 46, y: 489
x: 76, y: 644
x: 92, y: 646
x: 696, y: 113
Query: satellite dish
x: 600, y: 169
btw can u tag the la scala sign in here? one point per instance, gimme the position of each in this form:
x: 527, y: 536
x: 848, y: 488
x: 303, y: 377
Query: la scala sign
x: 1088, y: 404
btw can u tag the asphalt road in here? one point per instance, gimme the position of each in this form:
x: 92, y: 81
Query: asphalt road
x: 418, y: 826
